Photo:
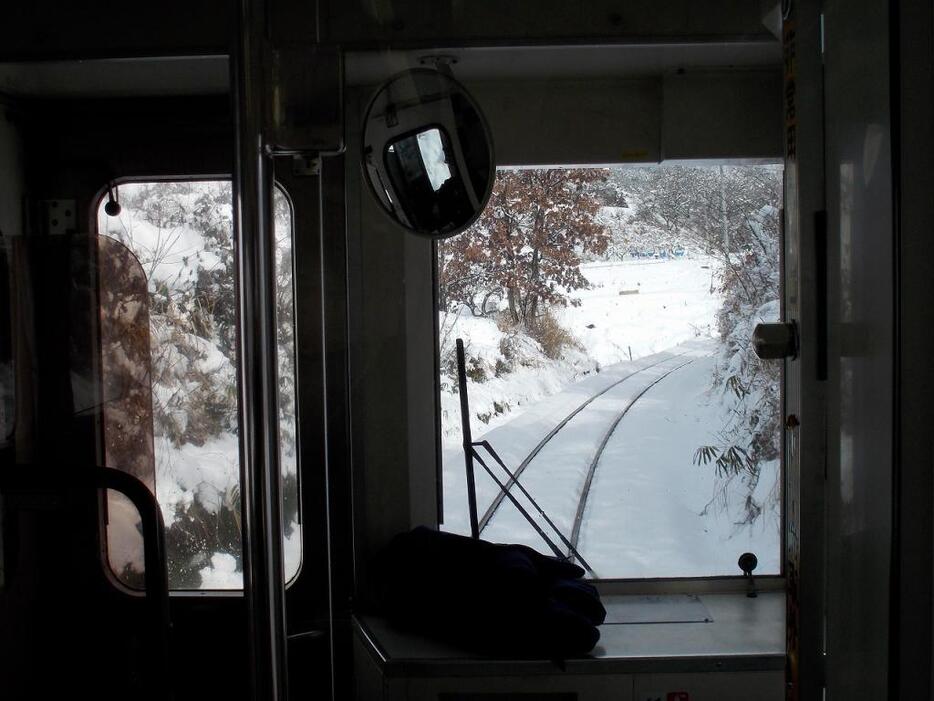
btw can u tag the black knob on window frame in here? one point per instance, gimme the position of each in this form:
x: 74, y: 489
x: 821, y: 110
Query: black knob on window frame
x: 112, y: 208
x: 747, y: 563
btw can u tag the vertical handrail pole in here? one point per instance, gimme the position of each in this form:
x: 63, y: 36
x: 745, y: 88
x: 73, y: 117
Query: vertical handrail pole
x: 468, y: 441
x: 263, y: 581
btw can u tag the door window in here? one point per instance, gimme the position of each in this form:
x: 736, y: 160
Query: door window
x: 169, y: 367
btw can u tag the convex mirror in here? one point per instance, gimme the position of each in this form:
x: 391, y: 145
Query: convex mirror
x: 427, y: 153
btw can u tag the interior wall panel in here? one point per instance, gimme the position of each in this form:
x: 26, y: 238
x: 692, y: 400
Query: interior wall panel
x: 722, y: 114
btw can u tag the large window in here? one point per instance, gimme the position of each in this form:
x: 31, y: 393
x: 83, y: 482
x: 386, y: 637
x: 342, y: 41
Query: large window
x: 168, y: 346
x: 607, y: 315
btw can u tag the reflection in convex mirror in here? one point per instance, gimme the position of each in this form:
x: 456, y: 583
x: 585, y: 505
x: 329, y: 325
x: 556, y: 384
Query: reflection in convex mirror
x: 427, y: 153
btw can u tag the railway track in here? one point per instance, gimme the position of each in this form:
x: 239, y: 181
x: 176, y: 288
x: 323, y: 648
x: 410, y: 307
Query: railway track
x: 595, y: 461
x: 501, y: 496
x: 571, y: 543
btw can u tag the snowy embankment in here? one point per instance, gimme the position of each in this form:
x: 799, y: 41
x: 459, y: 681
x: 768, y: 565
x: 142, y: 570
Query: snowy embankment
x: 192, y: 376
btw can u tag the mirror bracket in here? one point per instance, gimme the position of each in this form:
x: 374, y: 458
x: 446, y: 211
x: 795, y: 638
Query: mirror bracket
x: 440, y: 62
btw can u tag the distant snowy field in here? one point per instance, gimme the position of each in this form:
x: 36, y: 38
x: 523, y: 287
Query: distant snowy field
x: 644, y: 306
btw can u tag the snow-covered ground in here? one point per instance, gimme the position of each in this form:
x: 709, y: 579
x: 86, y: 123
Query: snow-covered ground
x: 643, y: 306
x: 650, y: 512
x: 634, y: 308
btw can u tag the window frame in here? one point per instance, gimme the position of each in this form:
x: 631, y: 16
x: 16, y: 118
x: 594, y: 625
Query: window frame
x: 710, y: 584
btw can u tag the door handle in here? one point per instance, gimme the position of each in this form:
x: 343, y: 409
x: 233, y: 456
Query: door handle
x: 776, y: 341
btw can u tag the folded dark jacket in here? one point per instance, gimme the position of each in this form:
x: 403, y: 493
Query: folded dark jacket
x: 503, y: 600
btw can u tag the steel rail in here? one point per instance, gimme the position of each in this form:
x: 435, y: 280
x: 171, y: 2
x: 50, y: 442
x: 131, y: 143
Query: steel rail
x: 592, y: 469
x: 498, y: 500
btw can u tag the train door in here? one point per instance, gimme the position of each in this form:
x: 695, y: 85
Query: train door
x: 878, y: 100
x: 127, y: 340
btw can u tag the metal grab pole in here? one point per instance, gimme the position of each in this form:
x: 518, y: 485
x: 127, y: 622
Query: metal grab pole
x: 468, y: 441
x: 263, y: 582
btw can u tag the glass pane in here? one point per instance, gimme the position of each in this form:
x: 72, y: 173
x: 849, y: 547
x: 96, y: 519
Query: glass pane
x: 607, y: 315
x: 181, y: 238
x: 127, y: 411
x: 285, y: 336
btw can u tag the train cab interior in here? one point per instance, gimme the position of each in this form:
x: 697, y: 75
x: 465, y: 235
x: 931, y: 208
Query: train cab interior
x: 306, y: 308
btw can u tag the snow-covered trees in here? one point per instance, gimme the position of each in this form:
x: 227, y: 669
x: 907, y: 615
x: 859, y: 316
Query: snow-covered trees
x: 182, y: 234
x: 526, y: 247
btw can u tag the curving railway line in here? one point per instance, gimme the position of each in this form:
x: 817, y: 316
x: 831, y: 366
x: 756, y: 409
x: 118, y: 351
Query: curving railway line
x: 559, y: 471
